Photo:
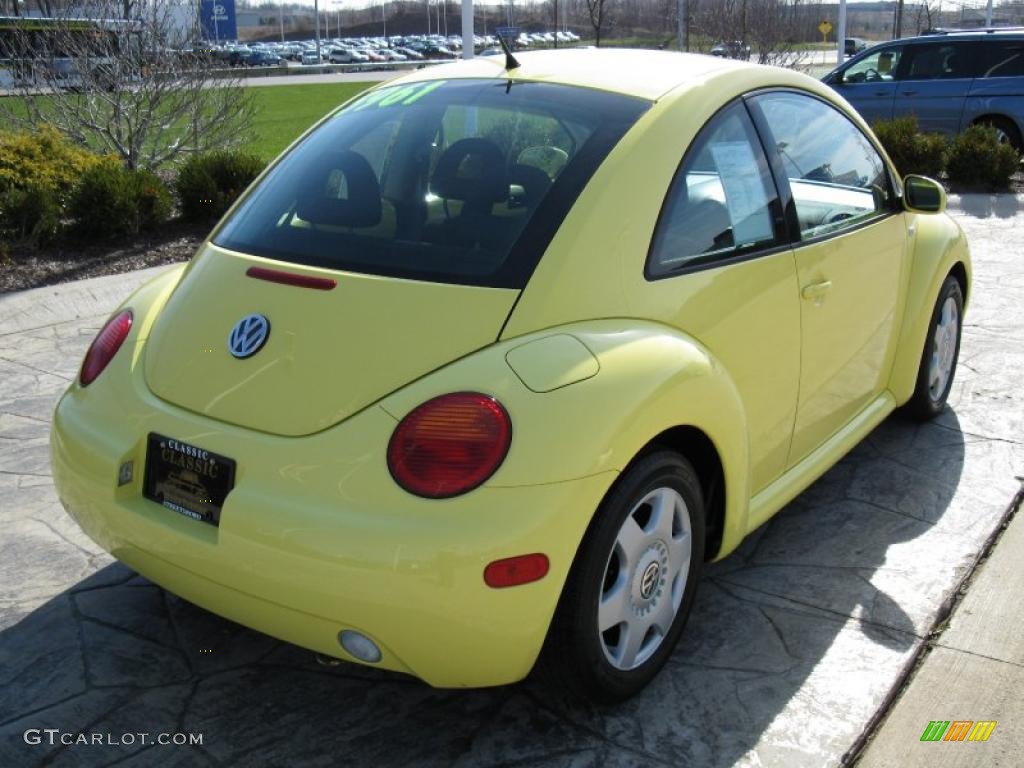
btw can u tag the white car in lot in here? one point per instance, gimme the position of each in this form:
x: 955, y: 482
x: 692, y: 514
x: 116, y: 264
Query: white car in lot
x: 347, y: 56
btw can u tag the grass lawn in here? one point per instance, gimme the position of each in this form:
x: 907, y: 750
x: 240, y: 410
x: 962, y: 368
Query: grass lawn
x: 285, y: 111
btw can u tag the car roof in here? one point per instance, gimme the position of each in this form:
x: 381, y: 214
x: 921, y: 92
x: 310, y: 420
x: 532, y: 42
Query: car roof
x: 958, y: 34
x: 644, y: 74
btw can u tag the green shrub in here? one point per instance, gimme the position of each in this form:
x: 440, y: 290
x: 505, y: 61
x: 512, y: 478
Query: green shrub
x: 208, y: 184
x: 31, y: 213
x: 44, y: 159
x: 111, y: 201
x: 154, y: 200
x: 911, y: 151
x: 977, y: 159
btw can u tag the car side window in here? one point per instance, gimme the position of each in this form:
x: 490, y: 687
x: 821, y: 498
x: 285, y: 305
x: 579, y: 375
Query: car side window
x: 837, y: 178
x: 722, y: 201
x: 879, y: 67
x: 1005, y: 58
x: 939, y: 61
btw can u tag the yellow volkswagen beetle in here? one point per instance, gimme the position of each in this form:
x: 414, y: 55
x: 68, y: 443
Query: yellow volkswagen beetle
x: 487, y: 365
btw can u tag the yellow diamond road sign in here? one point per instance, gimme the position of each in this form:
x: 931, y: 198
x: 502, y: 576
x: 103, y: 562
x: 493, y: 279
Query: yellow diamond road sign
x: 825, y: 27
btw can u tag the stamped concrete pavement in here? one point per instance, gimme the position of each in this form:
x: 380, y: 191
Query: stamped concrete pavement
x: 797, y: 642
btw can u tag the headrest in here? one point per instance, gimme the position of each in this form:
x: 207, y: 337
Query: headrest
x: 344, y: 192
x: 534, y: 181
x: 471, y: 170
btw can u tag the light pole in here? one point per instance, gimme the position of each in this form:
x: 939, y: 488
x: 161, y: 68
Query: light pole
x: 841, y: 33
x: 467, y: 29
x: 316, y: 10
x: 681, y: 24
x: 384, y: 17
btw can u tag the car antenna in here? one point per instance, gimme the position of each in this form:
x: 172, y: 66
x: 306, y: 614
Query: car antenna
x: 510, y: 61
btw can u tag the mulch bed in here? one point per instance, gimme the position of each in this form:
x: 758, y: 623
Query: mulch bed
x: 26, y: 268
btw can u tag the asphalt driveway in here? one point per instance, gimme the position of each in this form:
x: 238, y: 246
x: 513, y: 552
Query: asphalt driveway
x: 795, y: 644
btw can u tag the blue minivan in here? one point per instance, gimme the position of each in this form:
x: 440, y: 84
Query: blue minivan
x: 948, y: 80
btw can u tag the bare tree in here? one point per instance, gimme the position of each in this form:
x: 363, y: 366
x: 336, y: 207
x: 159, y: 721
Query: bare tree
x: 924, y: 12
x: 127, y: 88
x: 596, y: 11
x: 774, y: 29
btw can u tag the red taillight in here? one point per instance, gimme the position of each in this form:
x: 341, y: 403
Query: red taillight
x: 105, y: 346
x: 449, y: 445
x: 513, y: 571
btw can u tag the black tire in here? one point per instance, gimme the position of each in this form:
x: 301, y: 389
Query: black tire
x: 574, y: 656
x: 1008, y: 131
x: 927, y: 403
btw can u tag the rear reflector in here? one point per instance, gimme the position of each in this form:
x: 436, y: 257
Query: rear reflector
x: 513, y: 571
x: 290, y: 278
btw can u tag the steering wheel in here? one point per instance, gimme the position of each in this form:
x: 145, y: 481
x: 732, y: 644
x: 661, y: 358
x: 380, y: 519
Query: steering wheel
x: 835, y: 216
x: 872, y: 75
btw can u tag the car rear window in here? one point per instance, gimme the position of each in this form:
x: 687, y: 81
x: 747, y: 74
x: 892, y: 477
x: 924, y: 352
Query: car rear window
x: 1005, y: 58
x: 461, y: 181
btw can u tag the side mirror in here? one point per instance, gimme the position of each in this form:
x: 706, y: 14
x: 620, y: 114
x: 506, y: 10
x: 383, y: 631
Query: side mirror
x: 923, y: 195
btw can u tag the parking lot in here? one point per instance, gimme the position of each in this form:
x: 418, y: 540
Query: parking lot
x: 797, y: 642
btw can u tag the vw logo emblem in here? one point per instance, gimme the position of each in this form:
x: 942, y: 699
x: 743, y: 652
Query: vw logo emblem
x: 649, y: 580
x: 248, y: 336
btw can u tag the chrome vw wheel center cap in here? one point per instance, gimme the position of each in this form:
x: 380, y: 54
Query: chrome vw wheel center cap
x: 648, y: 582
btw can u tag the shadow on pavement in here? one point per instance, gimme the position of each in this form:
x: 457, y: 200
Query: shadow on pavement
x: 771, y: 632
x: 982, y: 205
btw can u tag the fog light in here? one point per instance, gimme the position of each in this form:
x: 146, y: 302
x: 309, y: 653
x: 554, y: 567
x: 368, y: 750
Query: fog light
x: 359, y: 645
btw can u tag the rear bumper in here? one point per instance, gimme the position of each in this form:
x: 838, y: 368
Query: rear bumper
x: 316, y: 537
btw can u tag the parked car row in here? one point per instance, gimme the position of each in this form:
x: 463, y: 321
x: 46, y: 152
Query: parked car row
x: 370, y: 50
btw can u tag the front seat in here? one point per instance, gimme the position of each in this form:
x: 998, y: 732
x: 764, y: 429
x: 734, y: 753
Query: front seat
x: 344, y: 192
x: 472, y: 172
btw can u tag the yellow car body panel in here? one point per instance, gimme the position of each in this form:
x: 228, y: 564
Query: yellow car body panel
x: 846, y: 352
x: 592, y: 361
x: 330, y: 371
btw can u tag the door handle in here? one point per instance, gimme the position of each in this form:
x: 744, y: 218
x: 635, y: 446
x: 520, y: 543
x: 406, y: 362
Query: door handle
x: 909, y: 93
x: 882, y: 93
x: 816, y: 291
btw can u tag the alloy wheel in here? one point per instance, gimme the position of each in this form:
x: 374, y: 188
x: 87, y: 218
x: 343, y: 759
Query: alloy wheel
x: 645, y: 578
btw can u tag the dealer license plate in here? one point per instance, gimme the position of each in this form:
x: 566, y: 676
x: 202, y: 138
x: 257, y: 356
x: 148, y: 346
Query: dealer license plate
x: 186, y: 478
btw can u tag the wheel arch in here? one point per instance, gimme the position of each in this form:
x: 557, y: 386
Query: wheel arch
x: 693, y: 444
x: 989, y: 117
x: 959, y: 271
x: 940, y: 250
